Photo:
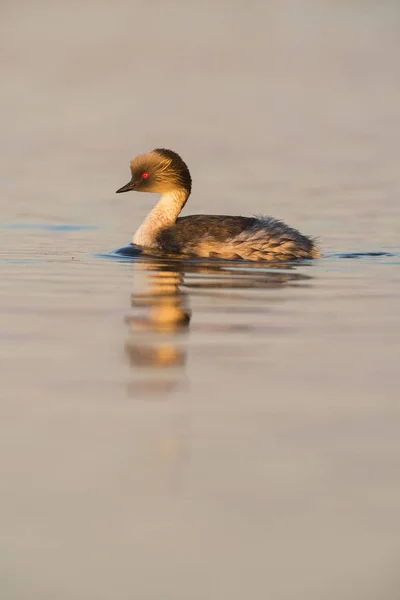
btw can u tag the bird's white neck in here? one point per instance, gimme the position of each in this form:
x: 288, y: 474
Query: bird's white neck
x: 163, y: 215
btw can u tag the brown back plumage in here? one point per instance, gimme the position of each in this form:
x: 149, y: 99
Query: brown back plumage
x: 236, y: 237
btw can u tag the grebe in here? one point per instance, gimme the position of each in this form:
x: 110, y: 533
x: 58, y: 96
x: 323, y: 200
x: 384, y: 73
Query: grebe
x: 205, y: 236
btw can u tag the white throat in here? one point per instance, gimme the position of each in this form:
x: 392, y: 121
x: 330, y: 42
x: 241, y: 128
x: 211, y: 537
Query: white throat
x: 163, y: 215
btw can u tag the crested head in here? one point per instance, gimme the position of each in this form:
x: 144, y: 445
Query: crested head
x: 160, y: 171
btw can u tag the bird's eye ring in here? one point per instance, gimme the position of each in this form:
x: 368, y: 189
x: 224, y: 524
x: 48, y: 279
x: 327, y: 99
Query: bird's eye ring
x: 145, y: 175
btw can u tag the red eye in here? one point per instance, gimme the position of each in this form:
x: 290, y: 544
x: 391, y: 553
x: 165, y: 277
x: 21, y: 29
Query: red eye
x: 145, y: 175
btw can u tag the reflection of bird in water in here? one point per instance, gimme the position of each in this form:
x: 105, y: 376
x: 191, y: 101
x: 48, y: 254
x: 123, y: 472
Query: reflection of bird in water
x: 165, y: 301
x: 161, y: 355
x: 156, y: 346
x: 205, y: 236
x: 155, y: 339
x: 153, y: 342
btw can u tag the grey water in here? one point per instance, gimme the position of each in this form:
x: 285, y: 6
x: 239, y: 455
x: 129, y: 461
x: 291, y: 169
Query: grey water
x: 199, y: 429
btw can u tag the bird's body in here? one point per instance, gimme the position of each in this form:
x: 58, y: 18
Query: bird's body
x: 205, y: 236
x: 234, y: 238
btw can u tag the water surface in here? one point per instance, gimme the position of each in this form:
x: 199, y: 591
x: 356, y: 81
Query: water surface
x: 199, y: 429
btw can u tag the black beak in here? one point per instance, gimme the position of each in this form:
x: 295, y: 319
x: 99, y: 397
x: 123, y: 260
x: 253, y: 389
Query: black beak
x: 126, y: 188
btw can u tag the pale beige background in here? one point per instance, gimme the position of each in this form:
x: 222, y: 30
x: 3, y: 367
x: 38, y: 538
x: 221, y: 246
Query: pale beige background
x: 264, y: 461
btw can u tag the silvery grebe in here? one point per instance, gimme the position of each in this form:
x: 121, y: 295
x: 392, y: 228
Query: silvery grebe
x: 163, y: 172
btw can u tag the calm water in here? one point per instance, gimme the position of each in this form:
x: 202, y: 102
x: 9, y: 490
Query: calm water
x: 199, y: 430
